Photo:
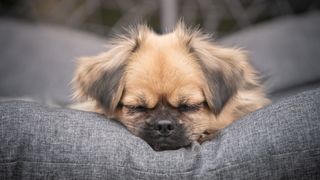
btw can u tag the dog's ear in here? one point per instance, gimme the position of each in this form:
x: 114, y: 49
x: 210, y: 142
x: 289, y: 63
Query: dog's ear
x: 225, y: 70
x: 223, y: 75
x: 101, y: 77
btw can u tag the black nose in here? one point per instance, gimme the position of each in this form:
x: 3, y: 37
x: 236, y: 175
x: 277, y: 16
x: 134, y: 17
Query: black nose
x: 164, y: 127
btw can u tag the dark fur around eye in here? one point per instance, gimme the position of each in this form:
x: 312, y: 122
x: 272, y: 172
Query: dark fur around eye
x: 136, y: 109
x: 190, y: 108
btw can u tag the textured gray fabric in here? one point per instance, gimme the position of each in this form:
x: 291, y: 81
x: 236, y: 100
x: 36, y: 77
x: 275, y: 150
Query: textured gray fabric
x: 280, y: 141
x: 282, y: 94
x: 286, y: 51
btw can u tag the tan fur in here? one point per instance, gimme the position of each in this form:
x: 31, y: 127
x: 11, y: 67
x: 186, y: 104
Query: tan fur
x: 167, y: 68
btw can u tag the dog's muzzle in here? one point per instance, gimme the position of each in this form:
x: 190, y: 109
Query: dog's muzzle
x: 164, y: 134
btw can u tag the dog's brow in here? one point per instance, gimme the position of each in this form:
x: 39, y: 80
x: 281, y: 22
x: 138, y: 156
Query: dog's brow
x: 142, y: 99
x: 182, y: 99
x: 188, y: 99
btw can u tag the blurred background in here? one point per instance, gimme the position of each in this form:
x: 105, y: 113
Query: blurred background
x: 40, y: 40
x: 104, y: 16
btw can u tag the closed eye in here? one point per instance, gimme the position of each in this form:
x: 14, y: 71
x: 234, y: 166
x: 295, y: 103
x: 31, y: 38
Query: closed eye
x: 190, y: 107
x: 135, y: 109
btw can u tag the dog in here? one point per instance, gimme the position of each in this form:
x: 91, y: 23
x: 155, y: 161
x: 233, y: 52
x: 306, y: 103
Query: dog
x: 171, y: 89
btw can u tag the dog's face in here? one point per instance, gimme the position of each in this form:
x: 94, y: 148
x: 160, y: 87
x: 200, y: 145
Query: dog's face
x: 163, y: 100
x: 167, y: 89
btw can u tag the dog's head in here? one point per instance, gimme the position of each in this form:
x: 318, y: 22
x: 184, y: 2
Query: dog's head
x: 167, y: 89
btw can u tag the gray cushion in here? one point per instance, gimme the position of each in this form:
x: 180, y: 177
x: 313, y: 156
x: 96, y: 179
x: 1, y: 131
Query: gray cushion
x: 37, y: 60
x: 280, y: 141
x: 286, y: 51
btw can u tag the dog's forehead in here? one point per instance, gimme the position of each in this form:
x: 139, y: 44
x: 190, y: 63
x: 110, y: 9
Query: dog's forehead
x: 163, y: 68
x: 162, y: 61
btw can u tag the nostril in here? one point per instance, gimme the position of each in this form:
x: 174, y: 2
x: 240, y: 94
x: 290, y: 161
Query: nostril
x: 170, y: 127
x: 158, y: 127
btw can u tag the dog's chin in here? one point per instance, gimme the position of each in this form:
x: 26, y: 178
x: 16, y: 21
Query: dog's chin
x: 162, y: 146
x: 167, y: 143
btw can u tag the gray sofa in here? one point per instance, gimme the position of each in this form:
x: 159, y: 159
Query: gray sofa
x: 43, y: 140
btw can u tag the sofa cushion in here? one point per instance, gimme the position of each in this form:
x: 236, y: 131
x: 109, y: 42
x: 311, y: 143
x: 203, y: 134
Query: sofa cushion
x: 37, y: 60
x: 280, y: 141
x: 286, y: 51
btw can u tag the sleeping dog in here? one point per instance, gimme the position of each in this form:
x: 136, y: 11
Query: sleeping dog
x: 169, y: 89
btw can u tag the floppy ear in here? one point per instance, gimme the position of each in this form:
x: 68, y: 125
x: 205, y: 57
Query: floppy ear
x: 101, y: 77
x: 222, y: 73
x: 224, y: 69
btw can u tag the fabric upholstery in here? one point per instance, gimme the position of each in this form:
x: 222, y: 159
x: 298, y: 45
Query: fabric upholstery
x: 39, y: 142
x: 286, y: 51
x: 280, y: 141
x: 37, y: 60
